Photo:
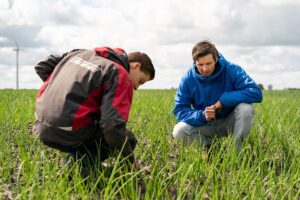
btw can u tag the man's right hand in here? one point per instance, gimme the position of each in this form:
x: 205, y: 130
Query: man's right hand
x: 210, y: 113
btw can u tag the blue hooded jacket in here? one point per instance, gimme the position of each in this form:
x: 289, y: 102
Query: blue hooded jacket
x: 229, y: 84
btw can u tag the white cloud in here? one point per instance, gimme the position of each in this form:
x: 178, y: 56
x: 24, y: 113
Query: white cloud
x: 261, y: 36
x: 4, y: 4
x: 3, y: 39
x: 279, y: 2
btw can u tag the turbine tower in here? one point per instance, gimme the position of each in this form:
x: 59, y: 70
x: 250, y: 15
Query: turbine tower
x: 17, y: 49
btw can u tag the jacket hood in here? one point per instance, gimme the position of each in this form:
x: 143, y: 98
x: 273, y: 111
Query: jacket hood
x: 116, y: 55
x: 221, y: 65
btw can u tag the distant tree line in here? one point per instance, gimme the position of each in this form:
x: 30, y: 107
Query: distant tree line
x: 270, y: 87
x: 261, y: 86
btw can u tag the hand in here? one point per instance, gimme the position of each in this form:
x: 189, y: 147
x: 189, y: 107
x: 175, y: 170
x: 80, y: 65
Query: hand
x: 210, y: 113
x: 218, y: 105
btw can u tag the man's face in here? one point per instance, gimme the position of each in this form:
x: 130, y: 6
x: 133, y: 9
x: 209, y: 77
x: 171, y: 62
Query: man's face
x: 137, y: 76
x: 206, y: 65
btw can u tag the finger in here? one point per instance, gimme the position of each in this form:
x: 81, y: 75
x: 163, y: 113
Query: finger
x: 210, y: 112
x: 211, y: 115
x: 213, y: 107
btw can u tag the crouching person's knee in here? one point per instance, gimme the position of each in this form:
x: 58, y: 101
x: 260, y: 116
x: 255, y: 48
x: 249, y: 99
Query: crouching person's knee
x: 245, y: 110
x: 179, y: 130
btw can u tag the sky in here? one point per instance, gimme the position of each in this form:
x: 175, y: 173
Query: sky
x: 263, y: 37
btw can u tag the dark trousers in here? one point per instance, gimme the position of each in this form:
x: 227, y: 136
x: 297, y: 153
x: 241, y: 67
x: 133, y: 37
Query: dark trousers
x: 97, y: 149
x: 93, y: 148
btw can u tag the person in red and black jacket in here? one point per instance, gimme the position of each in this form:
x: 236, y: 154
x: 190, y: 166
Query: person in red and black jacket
x: 83, y: 105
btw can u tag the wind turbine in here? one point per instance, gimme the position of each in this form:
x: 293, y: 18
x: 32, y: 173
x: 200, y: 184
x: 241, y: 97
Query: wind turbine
x: 17, y: 49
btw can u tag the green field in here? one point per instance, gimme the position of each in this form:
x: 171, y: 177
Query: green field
x: 267, y: 168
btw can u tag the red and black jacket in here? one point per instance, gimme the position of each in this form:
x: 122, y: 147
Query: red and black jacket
x: 86, y: 94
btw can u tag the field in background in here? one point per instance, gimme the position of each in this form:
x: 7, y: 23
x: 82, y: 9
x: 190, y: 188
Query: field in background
x: 268, y: 166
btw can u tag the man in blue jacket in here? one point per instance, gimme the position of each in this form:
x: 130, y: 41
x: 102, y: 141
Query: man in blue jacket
x: 214, y: 99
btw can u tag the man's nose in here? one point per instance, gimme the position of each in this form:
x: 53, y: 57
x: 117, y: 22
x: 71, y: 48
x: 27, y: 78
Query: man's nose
x: 205, y: 68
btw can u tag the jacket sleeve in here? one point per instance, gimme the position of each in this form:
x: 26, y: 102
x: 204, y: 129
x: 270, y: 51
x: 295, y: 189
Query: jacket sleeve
x: 245, y: 89
x: 45, y: 67
x: 183, y: 110
x: 115, y: 107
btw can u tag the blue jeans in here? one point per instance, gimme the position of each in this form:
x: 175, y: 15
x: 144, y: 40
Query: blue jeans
x: 238, y: 123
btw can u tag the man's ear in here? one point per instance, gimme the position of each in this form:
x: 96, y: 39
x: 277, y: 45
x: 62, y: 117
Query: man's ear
x: 135, y: 65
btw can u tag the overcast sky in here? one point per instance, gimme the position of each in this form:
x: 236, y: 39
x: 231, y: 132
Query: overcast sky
x: 262, y: 36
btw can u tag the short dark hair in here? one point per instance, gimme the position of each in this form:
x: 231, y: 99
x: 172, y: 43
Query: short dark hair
x: 146, y: 63
x: 204, y: 48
